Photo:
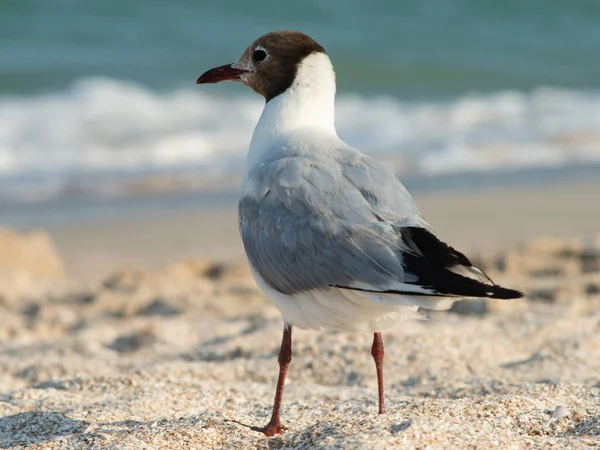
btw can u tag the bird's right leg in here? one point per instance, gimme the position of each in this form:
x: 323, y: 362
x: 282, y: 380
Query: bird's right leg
x: 285, y: 357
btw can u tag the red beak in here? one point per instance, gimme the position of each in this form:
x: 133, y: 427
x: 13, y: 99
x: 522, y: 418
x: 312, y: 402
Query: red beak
x: 221, y: 73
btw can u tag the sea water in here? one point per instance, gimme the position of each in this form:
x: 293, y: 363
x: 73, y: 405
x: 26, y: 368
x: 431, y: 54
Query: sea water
x: 98, y: 101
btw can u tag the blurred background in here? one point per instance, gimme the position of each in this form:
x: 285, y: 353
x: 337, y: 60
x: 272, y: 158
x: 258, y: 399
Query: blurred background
x: 100, y: 116
x: 128, y: 314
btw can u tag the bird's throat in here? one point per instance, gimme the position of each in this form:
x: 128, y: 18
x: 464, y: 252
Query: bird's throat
x: 308, y: 102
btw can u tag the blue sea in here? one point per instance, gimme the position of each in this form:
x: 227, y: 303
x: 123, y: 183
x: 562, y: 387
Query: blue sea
x: 98, y: 98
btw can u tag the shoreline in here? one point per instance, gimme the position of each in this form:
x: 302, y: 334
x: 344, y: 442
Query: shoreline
x: 177, y: 191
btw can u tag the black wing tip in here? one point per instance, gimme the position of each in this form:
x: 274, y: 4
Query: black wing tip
x: 483, y: 291
x: 502, y: 293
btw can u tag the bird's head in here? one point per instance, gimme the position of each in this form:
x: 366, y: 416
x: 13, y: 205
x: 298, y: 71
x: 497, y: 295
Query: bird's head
x: 269, y: 65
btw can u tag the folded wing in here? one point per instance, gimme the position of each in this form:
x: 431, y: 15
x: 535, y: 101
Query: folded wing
x: 350, y: 224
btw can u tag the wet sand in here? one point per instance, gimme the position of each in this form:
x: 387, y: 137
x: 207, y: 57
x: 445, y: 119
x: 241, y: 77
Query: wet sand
x: 488, y: 219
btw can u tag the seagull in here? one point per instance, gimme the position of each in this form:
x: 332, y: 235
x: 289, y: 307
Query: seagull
x: 333, y: 238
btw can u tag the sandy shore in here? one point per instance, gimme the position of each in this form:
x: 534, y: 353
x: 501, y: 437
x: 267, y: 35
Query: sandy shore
x: 184, y: 356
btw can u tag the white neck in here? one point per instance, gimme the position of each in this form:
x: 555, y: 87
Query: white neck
x: 308, y: 102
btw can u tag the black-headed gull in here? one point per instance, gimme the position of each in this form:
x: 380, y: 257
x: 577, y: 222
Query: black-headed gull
x: 333, y: 239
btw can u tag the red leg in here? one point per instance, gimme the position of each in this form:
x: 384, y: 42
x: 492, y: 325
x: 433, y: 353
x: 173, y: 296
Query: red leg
x: 377, y: 353
x: 285, y: 357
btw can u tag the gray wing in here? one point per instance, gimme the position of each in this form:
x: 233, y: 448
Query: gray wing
x: 312, y: 223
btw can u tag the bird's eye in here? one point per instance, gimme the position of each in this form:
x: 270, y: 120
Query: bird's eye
x: 260, y: 55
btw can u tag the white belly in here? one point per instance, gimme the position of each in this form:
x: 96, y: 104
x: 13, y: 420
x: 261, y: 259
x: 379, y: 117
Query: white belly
x: 336, y: 309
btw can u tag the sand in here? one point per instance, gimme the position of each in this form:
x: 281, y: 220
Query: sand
x: 182, y: 354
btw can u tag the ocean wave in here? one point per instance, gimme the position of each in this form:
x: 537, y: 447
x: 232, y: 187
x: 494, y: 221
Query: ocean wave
x: 119, y: 130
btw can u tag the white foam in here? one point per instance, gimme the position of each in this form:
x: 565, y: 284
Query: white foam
x: 101, y: 125
x: 107, y: 124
